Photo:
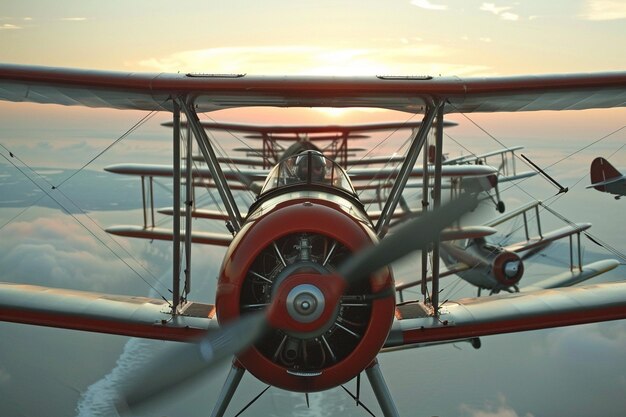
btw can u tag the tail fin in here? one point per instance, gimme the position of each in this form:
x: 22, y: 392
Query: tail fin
x: 602, y: 170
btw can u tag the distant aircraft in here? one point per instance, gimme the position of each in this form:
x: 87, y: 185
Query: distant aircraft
x: 490, y: 266
x: 605, y: 178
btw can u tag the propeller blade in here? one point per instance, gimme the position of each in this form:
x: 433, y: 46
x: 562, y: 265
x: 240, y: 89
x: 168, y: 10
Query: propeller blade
x: 187, y: 361
x: 415, y: 234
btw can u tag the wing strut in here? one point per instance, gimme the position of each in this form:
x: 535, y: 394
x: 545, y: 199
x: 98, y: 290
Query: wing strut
x: 228, y: 389
x: 176, y: 219
x: 407, y: 166
x: 189, y: 206
x: 213, y: 164
x: 434, y: 296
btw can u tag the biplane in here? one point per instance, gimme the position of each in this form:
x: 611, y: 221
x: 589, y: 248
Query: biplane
x: 305, y: 297
x: 606, y: 178
x: 494, y: 267
x: 331, y: 141
x: 283, y: 141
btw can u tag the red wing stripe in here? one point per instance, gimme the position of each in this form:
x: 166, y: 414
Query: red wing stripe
x: 451, y: 332
x: 90, y: 324
x: 103, y: 313
x: 474, y: 317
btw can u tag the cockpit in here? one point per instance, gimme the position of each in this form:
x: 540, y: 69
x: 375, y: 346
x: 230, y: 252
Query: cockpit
x: 310, y: 167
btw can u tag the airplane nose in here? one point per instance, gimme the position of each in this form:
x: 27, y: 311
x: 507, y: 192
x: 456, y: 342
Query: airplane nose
x: 511, y: 268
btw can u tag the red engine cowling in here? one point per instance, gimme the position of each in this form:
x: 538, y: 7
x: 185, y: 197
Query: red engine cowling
x: 287, y: 255
x: 507, y: 268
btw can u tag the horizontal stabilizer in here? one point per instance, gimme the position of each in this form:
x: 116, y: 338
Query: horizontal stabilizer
x: 569, y: 278
x: 601, y: 186
x: 155, y: 233
x: 103, y: 313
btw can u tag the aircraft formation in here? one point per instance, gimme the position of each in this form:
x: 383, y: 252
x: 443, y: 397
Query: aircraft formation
x: 306, y: 298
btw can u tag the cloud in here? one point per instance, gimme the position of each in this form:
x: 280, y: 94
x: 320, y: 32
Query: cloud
x: 73, y: 19
x: 414, y: 58
x: 606, y: 342
x: 9, y: 26
x: 58, y: 252
x: 425, y: 4
x: 499, y: 11
x: 509, y: 16
x: 604, y: 10
x: 491, y: 7
x: 491, y: 409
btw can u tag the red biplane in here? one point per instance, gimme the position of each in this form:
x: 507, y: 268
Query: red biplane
x: 305, y: 297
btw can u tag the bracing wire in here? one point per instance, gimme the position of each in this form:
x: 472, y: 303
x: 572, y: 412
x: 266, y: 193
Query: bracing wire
x: 138, y: 124
x: 85, y: 227
x: 128, y: 132
x: 554, y: 198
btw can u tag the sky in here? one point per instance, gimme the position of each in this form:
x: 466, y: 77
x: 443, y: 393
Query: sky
x: 576, y: 371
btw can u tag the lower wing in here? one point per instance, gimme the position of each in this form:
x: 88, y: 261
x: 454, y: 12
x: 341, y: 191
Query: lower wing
x: 469, y: 318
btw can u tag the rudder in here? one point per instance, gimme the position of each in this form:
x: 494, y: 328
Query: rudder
x: 602, y: 170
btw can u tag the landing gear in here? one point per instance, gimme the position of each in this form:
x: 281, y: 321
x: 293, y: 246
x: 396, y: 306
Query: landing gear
x: 496, y: 200
x: 228, y: 390
x: 379, y: 386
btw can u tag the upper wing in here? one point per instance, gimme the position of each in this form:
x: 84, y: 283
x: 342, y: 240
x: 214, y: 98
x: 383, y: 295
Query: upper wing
x: 145, y: 91
x: 546, y: 238
x: 478, y: 171
x: 310, y: 129
x: 470, y: 159
x: 104, y: 313
x: 475, y: 317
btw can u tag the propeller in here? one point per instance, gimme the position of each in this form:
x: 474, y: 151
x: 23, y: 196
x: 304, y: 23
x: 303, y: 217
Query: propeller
x: 186, y: 362
x: 415, y: 234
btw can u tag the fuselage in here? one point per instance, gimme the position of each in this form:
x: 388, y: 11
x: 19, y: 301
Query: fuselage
x: 296, y: 234
x: 490, y: 266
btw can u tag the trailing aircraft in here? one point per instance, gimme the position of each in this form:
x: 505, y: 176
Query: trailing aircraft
x: 605, y: 178
x: 493, y: 267
x: 305, y: 296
